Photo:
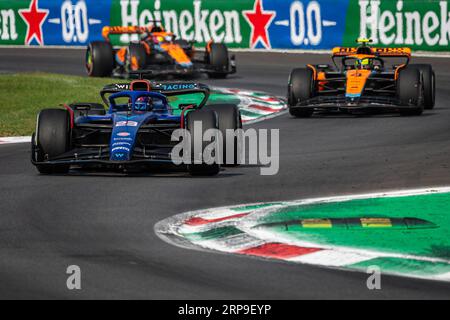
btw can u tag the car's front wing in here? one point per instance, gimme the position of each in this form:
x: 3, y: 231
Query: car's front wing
x: 342, y: 103
x: 159, y: 70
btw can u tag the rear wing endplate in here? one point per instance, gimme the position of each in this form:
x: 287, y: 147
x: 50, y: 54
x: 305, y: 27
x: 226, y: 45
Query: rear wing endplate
x: 380, y: 52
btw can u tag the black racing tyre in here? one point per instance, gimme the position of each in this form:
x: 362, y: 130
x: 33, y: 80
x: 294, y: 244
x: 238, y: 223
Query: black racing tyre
x: 52, y: 138
x: 209, y: 120
x: 218, y: 59
x: 136, y: 51
x: 300, y: 88
x: 429, y: 84
x: 229, y: 119
x: 410, y: 91
x: 99, y: 59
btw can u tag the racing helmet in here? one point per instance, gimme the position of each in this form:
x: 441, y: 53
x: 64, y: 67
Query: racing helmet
x: 143, y: 104
x: 364, y: 63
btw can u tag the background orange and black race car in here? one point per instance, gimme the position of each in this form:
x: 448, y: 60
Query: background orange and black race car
x: 361, y: 81
x: 156, y: 53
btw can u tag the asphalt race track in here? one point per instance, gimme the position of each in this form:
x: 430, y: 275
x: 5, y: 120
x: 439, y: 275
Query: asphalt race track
x: 104, y: 223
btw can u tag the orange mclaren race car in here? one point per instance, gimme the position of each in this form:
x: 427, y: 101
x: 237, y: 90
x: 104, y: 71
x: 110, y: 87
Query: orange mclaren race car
x: 361, y: 81
x: 157, y: 53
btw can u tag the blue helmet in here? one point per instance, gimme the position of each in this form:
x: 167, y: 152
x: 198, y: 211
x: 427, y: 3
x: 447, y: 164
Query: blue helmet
x: 143, y: 104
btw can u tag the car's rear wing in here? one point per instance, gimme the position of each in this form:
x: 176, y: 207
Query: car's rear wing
x: 111, y: 30
x: 165, y: 88
x: 380, y: 52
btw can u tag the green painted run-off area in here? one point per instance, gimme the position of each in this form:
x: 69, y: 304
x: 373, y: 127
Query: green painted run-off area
x: 431, y: 240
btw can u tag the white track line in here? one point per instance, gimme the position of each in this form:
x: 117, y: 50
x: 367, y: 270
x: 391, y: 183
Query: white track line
x: 332, y: 258
x: 10, y: 140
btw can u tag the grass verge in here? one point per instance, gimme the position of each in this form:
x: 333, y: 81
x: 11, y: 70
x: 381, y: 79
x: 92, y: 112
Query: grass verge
x: 24, y: 94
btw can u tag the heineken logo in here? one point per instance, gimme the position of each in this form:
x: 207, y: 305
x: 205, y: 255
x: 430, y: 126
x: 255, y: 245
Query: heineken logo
x: 416, y: 25
x: 192, y: 23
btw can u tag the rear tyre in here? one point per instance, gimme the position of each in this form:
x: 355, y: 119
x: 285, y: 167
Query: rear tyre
x: 137, y: 57
x: 218, y: 59
x: 229, y: 119
x: 99, y: 59
x: 300, y: 88
x: 429, y: 84
x: 410, y: 92
x: 52, y: 138
x: 208, y: 118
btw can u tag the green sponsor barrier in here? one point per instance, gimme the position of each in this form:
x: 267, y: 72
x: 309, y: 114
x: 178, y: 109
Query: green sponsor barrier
x: 13, y: 28
x: 420, y: 25
x: 201, y: 21
x: 248, y: 24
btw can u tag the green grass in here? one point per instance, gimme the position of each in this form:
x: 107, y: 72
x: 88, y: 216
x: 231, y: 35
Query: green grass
x: 23, y: 95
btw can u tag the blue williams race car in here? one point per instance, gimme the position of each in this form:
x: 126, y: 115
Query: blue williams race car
x: 134, y: 132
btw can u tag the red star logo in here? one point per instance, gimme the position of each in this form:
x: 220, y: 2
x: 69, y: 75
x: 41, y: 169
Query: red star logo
x: 34, y: 18
x: 259, y: 20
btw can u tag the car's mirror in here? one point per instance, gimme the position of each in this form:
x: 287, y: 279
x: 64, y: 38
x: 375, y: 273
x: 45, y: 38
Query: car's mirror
x: 323, y: 66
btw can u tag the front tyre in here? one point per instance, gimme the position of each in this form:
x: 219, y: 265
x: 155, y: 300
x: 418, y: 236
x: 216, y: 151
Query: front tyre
x: 99, y: 59
x: 217, y: 58
x: 300, y: 89
x: 429, y: 84
x: 208, y: 119
x: 410, y: 92
x: 229, y: 119
x: 52, y: 138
